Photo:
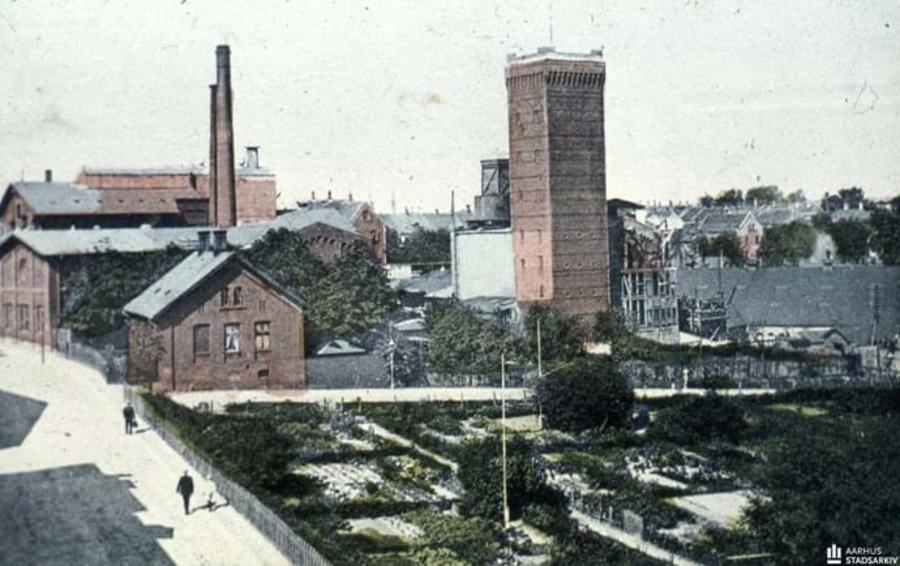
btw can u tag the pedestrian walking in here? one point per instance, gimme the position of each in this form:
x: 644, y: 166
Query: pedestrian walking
x: 128, y: 413
x: 186, y: 489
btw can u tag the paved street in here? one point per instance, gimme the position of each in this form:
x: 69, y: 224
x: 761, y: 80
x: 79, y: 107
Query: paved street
x: 74, y: 489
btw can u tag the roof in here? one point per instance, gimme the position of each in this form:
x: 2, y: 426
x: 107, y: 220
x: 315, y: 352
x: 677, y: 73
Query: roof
x: 187, y: 276
x: 70, y: 198
x: 838, y: 297
x: 339, y: 348
x: 87, y: 242
x: 434, y: 283
x: 622, y: 203
x: 138, y: 171
x: 718, y: 222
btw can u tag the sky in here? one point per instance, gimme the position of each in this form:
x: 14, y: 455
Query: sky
x: 398, y: 101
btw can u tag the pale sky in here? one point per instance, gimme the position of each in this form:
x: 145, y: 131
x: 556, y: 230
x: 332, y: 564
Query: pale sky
x: 404, y: 98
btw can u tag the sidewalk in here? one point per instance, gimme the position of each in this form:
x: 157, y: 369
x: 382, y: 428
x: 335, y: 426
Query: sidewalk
x: 82, y: 425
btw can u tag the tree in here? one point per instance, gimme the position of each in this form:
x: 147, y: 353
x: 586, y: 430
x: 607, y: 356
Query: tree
x: 145, y: 352
x: 886, y: 234
x: 700, y: 419
x: 731, y: 197
x: 284, y: 255
x: 607, y: 327
x: 591, y: 393
x: 788, y: 243
x: 561, y: 340
x: 421, y: 247
x: 726, y: 245
x: 98, y: 290
x: 795, y: 197
x: 461, y: 343
x: 851, y: 239
x: 706, y: 201
x: 480, y: 472
x: 763, y: 195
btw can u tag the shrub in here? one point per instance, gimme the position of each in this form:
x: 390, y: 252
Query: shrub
x: 588, y: 394
x: 700, y: 419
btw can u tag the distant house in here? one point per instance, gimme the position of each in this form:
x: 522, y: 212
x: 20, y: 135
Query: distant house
x: 216, y: 322
x: 358, y: 217
x: 744, y: 225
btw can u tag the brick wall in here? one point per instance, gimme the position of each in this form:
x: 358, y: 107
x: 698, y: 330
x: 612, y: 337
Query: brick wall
x: 28, y: 306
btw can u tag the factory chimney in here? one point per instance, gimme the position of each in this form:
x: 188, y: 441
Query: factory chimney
x: 223, y: 205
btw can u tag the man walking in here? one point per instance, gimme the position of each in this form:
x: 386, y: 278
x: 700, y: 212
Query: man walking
x: 128, y: 413
x: 186, y: 489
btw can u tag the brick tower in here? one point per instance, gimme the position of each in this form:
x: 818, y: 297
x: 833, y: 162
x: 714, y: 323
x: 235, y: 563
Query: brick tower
x: 557, y: 166
x: 223, y: 198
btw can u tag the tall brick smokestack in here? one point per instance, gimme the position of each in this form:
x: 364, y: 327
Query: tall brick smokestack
x: 213, y: 201
x: 225, y: 199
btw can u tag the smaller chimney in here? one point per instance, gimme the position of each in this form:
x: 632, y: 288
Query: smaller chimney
x: 203, y: 241
x: 48, y: 175
x: 468, y: 209
x: 329, y: 196
x: 350, y: 196
x: 220, y: 240
x: 312, y: 196
x: 251, y: 159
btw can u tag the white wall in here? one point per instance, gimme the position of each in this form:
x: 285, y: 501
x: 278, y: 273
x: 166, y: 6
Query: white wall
x: 483, y: 264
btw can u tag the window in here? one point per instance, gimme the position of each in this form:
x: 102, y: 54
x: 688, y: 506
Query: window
x: 201, y: 340
x: 39, y: 318
x: 23, y: 317
x: 233, y: 338
x: 541, y: 263
x: 262, y: 337
x: 540, y: 236
x: 22, y: 274
x: 541, y: 291
x: 223, y: 297
x: 237, y: 296
x: 522, y: 262
x: 521, y: 235
x: 262, y: 305
x: 7, y: 315
x: 367, y: 216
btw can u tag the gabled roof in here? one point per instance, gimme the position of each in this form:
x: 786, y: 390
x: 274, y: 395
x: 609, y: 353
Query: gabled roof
x: 624, y: 204
x: 187, y: 276
x: 47, y: 199
x: 339, y: 348
x: 721, y: 222
x: 49, y: 243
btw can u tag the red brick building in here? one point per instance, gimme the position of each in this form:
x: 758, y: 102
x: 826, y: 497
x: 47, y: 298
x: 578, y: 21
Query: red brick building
x: 557, y: 169
x: 355, y: 216
x: 29, y: 294
x: 216, y: 322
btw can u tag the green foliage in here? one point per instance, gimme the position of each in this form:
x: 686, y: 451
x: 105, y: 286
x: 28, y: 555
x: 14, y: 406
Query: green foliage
x: 795, y: 197
x: 886, y: 234
x: 591, y: 393
x: 701, y: 419
x: 462, y: 343
x: 561, y: 340
x: 764, y: 195
x: 834, y: 482
x: 731, y: 197
x: 851, y: 239
x: 421, y: 247
x: 788, y: 244
x: 343, y: 299
x: 726, y: 245
x: 106, y: 283
x: 580, y: 548
x: 480, y: 471
x: 473, y: 540
x: 706, y: 201
x: 225, y: 440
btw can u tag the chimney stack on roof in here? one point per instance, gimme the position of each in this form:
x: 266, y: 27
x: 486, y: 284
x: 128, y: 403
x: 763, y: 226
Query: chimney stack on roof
x: 329, y: 196
x: 350, y: 196
x: 203, y: 241
x: 251, y: 157
x: 48, y: 175
x: 220, y: 240
x: 312, y: 196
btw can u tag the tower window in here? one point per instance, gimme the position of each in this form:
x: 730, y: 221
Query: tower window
x: 522, y: 262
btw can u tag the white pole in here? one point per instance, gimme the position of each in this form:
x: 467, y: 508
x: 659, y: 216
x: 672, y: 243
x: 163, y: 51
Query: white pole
x: 540, y: 365
x: 503, y: 437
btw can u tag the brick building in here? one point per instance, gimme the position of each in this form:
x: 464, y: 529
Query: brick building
x: 557, y: 176
x: 216, y: 322
x: 358, y: 217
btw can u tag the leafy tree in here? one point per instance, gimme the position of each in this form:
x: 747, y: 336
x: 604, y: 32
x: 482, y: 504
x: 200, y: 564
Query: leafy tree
x: 763, y: 195
x: 343, y: 299
x: 421, y: 247
x: 98, y: 290
x: 821, y: 221
x: 850, y: 239
x: 480, y: 471
x: 706, y: 201
x: 886, y: 234
x: 726, y: 245
x: 731, y: 197
x: 795, y: 197
x: 607, y: 327
x: 700, y: 419
x: 145, y: 352
x: 561, y: 340
x: 788, y: 243
x: 474, y: 540
x: 590, y: 393
x: 462, y: 343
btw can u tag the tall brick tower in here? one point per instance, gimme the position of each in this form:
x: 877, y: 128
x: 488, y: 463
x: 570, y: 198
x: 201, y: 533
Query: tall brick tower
x: 223, y: 200
x: 557, y: 166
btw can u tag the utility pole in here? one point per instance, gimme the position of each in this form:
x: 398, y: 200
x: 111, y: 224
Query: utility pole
x: 503, y: 437
x: 392, y: 346
x: 540, y: 366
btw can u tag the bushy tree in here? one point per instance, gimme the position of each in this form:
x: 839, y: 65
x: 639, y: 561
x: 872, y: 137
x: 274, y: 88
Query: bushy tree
x: 886, y: 233
x: 480, y: 472
x: 590, y: 393
x: 731, y: 197
x: 461, y: 343
x: 561, y: 339
x: 98, y: 290
x: 850, y: 239
x: 706, y: 201
x: 285, y: 256
x: 726, y: 245
x: 795, y: 197
x: 788, y: 244
x: 701, y: 419
x: 421, y: 247
x: 763, y: 195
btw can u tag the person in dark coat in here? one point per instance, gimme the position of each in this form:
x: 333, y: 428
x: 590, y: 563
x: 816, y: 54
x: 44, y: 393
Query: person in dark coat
x: 186, y: 489
x: 128, y: 413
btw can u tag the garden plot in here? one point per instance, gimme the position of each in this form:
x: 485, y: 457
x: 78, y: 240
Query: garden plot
x: 392, y: 526
x: 720, y: 509
x: 346, y: 482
